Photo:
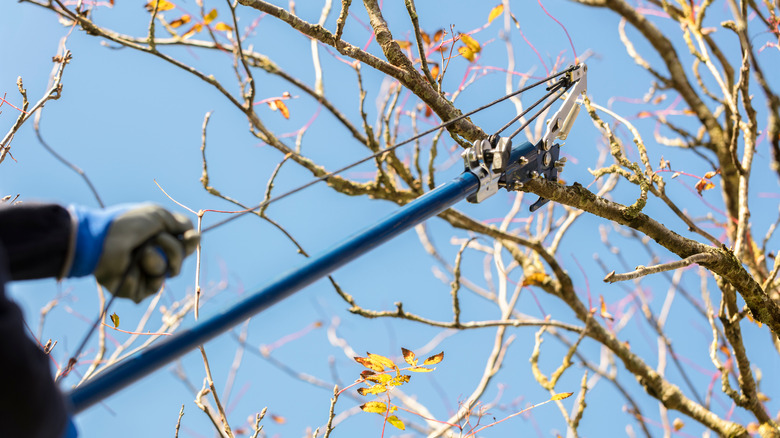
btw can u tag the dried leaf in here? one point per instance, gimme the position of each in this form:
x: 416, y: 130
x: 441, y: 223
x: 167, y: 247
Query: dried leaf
x: 750, y: 318
x: 711, y: 173
x: 467, y: 53
x: 382, y: 360
x: 535, y: 279
x: 396, y: 422
x: 379, y: 378
x: 421, y: 369
x: 370, y: 364
x: 278, y: 419
x: 376, y: 389
x: 193, y: 30
x: 425, y: 37
x: 470, y: 42
x: 762, y: 397
x: 495, y: 12
x: 675, y: 174
x: 366, y: 374
x: 400, y: 380
x: 115, y: 319
x: 184, y: 19
x: 222, y: 27
x: 561, y: 396
x: 435, y: 70
x: 703, y: 185
x: 433, y: 360
x: 665, y: 164
x: 210, y: 17
x: 725, y: 350
x: 689, y: 112
x: 162, y: 5
x: 409, y: 356
x: 438, y: 35
x: 403, y: 44
x: 677, y: 424
x: 604, y: 313
x: 282, y: 108
x: 644, y: 114
x: 374, y: 406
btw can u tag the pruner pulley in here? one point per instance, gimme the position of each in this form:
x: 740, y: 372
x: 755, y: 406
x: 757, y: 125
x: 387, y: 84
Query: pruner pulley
x: 497, y: 164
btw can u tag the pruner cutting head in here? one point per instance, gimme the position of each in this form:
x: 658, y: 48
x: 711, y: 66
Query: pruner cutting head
x: 497, y: 164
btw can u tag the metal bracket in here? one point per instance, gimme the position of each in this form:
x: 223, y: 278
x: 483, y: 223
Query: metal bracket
x: 487, y: 160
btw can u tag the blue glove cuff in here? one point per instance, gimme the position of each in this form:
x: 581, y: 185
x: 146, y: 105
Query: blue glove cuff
x: 92, y: 228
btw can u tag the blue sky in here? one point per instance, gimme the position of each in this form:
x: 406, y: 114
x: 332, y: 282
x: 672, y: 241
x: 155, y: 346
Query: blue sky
x: 129, y: 119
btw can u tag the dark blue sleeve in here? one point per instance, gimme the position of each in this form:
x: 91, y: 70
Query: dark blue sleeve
x: 31, y: 405
x: 37, y: 239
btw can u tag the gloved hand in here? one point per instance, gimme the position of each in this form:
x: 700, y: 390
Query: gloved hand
x: 145, y: 241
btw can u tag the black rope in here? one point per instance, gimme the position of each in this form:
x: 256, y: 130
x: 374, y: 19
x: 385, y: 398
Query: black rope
x: 392, y: 148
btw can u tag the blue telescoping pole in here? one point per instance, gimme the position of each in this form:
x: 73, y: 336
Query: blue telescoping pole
x: 150, y: 359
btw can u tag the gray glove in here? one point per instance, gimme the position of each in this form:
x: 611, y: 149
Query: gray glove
x: 148, y: 243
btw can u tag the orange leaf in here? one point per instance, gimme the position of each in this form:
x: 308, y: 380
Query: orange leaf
x: 433, y: 360
x: 604, y: 313
x: 282, y: 108
x: 703, y: 185
x: 162, y: 5
x: 421, y: 370
x: 644, y: 115
x: 495, y: 12
x: 561, y: 396
x: 409, y: 356
x: 374, y: 406
x: 222, y: 27
x: 435, y: 70
x: 396, y: 422
x: 438, y: 35
x: 689, y: 112
x: 425, y: 37
x: 711, y: 173
x: 184, y: 19
x: 210, y: 17
x: 278, y: 419
x: 470, y: 42
x: 725, y: 350
x: 677, y: 424
x: 193, y: 30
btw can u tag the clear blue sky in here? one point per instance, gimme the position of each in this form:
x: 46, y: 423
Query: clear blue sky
x: 128, y: 119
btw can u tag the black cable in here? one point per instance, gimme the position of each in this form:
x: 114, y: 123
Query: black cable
x: 388, y: 149
x: 550, y: 92
x: 547, y: 105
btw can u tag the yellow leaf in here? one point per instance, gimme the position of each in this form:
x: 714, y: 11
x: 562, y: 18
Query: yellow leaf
x: 762, y: 397
x: 421, y: 370
x: 374, y: 406
x: 689, y: 112
x: 282, y: 108
x: 466, y: 53
x: 561, y: 396
x: 193, y: 30
x: 470, y: 42
x: 677, y: 424
x: 378, y: 378
x: 222, y: 27
x: 210, y: 17
x: 376, y: 389
x: 370, y: 364
x: 535, y: 279
x: 495, y: 12
x: 433, y: 360
x: 403, y: 44
x: 396, y: 422
x: 604, y: 313
x: 115, y: 319
x: 400, y: 380
x: 184, y: 19
x: 162, y: 5
x: 382, y: 360
x: 711, y: 173
x: 409, y: 356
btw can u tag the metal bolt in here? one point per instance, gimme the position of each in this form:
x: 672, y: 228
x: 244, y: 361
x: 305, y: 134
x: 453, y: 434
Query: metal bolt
x: 534, y: 174
x: 523, y: 161
x: 518, y: 185
x: 546, y: 158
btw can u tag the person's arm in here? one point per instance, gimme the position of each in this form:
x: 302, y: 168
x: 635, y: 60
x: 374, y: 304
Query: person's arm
x: 37, y: 239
